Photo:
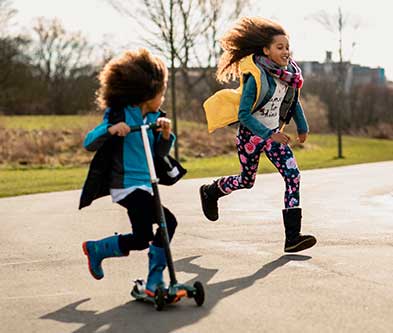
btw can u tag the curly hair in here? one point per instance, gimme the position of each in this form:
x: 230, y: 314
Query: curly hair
x: 133, y: 78
x: 249, y: 35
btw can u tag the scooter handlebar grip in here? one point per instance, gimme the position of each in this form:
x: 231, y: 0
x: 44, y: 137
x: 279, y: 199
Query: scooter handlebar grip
x: 152, y: 126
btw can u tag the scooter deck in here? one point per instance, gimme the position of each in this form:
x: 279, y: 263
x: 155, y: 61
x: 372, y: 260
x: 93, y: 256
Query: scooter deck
x: 142, y: 297
x: 138, y: 292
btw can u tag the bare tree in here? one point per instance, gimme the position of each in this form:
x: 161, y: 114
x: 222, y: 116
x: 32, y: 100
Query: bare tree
x: 6, y: 15
x: 171, y: 28
x: 219, y: 12
x: 11, y: 55
x: 57, y: 53
x: 185, y: 32
x: 9, y: 49
x: 171, y: 43
x: 336, y: 24
x: 13, y: 59
x: 59, y: 58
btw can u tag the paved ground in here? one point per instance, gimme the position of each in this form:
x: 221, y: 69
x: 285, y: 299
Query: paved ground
x: 344, y: 284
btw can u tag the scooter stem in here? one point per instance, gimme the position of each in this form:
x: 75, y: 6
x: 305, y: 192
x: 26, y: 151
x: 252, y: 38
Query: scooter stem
x: 158, y: 207
x: 149, y: 156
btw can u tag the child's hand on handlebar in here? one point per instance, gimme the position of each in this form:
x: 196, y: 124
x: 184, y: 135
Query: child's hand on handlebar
x: 120, y: 129
x: 164, y: 126
x: 281, y: 138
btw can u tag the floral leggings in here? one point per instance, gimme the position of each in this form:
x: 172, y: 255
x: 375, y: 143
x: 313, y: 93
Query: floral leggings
x: 249, y: 149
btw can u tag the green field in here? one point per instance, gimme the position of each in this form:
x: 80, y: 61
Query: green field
x: 320, y: 151
x: 49, y: 122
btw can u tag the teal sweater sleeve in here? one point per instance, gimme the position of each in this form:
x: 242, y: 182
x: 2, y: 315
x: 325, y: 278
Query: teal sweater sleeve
x: 300, y: 119
x: 97, y: 136
x: 245, y: 116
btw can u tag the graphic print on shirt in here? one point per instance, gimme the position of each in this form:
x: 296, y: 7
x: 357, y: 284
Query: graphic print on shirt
x: 269, y: 114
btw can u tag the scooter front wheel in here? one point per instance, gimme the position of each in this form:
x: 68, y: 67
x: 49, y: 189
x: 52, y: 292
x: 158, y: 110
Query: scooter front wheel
x: 199, y: 294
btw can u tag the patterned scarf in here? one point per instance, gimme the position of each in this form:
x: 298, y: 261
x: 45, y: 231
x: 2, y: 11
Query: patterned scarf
x: 291, y: 75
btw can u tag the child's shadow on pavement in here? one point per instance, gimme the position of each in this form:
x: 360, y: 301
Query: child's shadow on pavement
x: 138, y: 317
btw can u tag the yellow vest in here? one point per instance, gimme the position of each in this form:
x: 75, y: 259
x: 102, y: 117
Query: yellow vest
x: 222, y: 108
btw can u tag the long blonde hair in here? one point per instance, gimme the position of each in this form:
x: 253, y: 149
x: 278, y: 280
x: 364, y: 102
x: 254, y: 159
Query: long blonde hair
x: 249, y: 35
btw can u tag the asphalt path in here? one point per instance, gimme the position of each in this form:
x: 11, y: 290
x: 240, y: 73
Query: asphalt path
x: 343, y: 284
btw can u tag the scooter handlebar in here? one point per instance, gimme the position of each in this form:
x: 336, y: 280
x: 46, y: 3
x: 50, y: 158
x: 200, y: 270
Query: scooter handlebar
x: 152, y: 126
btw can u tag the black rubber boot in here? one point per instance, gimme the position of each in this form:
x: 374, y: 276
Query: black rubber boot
x: 294, y: 240
x: 209, y: 199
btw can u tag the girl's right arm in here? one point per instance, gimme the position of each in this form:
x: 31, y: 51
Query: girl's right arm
x: 97, y: 136
x: 247, y: 119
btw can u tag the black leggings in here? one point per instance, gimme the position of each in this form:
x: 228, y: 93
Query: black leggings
x: 140, y: 209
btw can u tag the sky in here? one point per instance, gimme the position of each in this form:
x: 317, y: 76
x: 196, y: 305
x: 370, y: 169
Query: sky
x: 309, y: 40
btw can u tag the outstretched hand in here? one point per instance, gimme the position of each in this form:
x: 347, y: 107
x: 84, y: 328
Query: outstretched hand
x: 302, y: 137
x: 281, y: 138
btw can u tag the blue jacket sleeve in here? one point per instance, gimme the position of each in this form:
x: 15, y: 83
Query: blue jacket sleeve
x: 300, y: 119
x: 97, y: 136
x: 246, y: 103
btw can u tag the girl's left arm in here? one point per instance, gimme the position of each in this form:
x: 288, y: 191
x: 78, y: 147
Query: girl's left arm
x: 300, y: 119
x: 164, y: 146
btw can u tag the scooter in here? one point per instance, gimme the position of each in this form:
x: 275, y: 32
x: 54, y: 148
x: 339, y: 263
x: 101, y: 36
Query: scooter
x: 175, y: 290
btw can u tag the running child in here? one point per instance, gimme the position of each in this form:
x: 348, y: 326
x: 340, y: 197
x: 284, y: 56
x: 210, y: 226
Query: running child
x: 257, y: 52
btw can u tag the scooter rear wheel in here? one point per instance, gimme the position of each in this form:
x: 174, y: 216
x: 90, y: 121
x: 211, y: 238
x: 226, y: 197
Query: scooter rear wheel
x: 159, y: 299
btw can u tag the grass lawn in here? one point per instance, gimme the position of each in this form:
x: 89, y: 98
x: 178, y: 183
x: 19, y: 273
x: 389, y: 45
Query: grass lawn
x: 28, y: 181
x: 319, y: 152
x: 50, y: 122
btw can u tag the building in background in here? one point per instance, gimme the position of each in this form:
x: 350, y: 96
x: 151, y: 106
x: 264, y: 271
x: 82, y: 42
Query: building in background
x: 357, y: 74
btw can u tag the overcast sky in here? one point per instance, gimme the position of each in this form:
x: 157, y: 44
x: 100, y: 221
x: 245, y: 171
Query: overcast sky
x: 309, y: 40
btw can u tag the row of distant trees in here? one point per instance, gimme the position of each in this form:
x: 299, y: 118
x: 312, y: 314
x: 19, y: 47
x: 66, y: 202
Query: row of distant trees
x: 53, y: 71
x: 46, y: 71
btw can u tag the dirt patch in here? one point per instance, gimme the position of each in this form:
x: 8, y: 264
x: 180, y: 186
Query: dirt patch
x: 42, y: 147
x: 21, y: 147
x: 199, y: 143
